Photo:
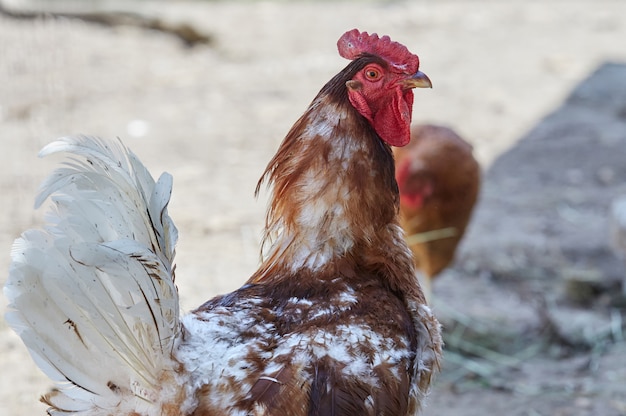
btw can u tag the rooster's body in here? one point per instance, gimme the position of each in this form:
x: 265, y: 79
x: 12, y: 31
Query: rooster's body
x: 333, y: 322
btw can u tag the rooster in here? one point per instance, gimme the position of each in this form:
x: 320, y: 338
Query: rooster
x: 332, y: 323
x: 439, y: 180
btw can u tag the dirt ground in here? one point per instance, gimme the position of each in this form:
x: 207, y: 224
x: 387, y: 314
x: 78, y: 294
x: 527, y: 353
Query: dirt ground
x: 539, y: 89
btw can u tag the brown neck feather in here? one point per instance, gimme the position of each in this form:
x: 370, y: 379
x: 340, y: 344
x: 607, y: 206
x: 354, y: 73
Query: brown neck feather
x: 334, y: 199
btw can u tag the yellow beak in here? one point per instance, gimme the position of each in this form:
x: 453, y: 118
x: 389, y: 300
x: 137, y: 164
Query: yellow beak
x: 417, y: 80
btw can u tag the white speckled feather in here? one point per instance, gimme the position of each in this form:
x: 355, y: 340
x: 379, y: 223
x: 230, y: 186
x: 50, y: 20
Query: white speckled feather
x: 95, y: 289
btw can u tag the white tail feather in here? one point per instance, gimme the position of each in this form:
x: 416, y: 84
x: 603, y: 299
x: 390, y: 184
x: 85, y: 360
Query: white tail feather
x: 93, y: 296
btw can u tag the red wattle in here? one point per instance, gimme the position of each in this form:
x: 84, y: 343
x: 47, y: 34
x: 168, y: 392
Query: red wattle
x: 393, y: 121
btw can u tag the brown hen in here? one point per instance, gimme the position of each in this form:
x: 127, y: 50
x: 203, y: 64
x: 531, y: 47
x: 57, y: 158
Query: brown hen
x: 439, y: 181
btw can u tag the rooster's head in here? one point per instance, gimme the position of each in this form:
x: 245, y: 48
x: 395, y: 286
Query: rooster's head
x: 382, y: 90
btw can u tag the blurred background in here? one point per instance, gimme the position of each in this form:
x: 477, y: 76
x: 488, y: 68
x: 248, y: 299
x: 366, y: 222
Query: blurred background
x: 533, y: 307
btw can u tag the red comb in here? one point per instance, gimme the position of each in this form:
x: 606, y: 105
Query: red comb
x: 354, y: 43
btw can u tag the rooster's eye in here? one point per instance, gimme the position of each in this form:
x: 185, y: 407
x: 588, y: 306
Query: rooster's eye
x: 372, y: 74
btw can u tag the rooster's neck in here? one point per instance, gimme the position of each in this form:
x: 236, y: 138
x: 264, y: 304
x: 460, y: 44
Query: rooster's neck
x: 334, y: 200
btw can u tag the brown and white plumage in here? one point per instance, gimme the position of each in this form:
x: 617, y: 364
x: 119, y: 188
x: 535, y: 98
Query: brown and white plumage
x: 333, y: 322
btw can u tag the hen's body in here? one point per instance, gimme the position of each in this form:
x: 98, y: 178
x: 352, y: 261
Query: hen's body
x: 439, y: 181
x: 333, y: 322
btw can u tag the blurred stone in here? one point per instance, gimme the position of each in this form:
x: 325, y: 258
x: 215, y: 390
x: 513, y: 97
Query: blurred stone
x: 548, y: 196
x: 582, y: 286
x: 606, y: 175
x: 618, y: 232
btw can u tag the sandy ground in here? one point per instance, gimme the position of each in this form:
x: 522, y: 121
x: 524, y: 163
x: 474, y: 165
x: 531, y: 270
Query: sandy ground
x: 213, y: 116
